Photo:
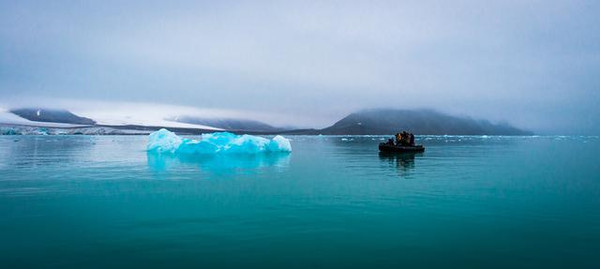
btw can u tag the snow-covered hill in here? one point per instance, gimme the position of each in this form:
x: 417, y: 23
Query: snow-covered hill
x: 8, y: 118
x: 118, y: 120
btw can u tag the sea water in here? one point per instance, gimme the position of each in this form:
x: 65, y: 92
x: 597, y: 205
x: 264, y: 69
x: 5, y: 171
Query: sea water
x: 333, y: 202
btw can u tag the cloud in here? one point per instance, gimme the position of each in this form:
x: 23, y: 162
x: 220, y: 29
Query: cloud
x: 532, y: 63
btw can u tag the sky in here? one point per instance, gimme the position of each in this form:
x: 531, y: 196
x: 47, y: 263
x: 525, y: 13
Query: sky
x: 534, y: 64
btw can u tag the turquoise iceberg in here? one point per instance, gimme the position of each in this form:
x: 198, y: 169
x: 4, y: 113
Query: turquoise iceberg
x: 165, y: 141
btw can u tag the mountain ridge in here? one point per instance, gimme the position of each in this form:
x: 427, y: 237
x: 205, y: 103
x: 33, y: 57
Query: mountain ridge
x: 422, y: 121
x: 51, y: 115
x: 377, y: 121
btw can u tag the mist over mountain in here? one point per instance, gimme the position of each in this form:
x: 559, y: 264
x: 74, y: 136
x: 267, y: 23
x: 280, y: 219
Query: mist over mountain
x: 390, y: 121
x: 51, y: 115
x: 230, y: 124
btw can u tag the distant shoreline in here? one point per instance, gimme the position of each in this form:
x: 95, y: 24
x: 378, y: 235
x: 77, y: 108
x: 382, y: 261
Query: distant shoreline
x: 364, y: 122
x: 133, y: 130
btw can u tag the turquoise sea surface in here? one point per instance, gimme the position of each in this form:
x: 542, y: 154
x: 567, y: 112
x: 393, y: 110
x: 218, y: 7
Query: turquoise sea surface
x: 334, y: 202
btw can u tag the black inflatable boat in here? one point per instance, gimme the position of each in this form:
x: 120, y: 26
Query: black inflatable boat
x: 388, y: 148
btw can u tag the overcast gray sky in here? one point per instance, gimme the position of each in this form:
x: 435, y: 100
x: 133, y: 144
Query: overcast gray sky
x: 535, y: 64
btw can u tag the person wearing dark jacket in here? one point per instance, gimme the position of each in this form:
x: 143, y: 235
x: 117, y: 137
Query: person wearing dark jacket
x: 412, y: 140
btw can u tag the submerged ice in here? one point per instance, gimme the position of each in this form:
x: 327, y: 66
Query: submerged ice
x: 165, y: 141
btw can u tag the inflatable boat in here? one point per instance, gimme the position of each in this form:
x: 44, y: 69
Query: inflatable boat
x: 390, y: 148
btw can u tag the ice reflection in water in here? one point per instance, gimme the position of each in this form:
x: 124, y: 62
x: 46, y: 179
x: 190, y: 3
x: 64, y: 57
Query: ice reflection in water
x: 219, y: 163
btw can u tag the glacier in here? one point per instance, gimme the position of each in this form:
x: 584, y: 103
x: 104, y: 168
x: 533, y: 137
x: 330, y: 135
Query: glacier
x: 165, y: 141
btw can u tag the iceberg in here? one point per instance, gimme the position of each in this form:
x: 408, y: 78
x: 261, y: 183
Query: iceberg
x: 165, y: 141
x: 9, y: 131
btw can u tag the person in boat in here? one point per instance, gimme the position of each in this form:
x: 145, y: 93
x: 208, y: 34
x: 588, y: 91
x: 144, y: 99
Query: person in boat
x: 403, y: 139
x: 400, y: 138
x: 390, y: 142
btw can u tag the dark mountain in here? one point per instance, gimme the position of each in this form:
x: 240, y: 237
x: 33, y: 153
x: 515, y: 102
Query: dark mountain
x: 230, y: 124
x: 390, y: 121
x: 51, y: 115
